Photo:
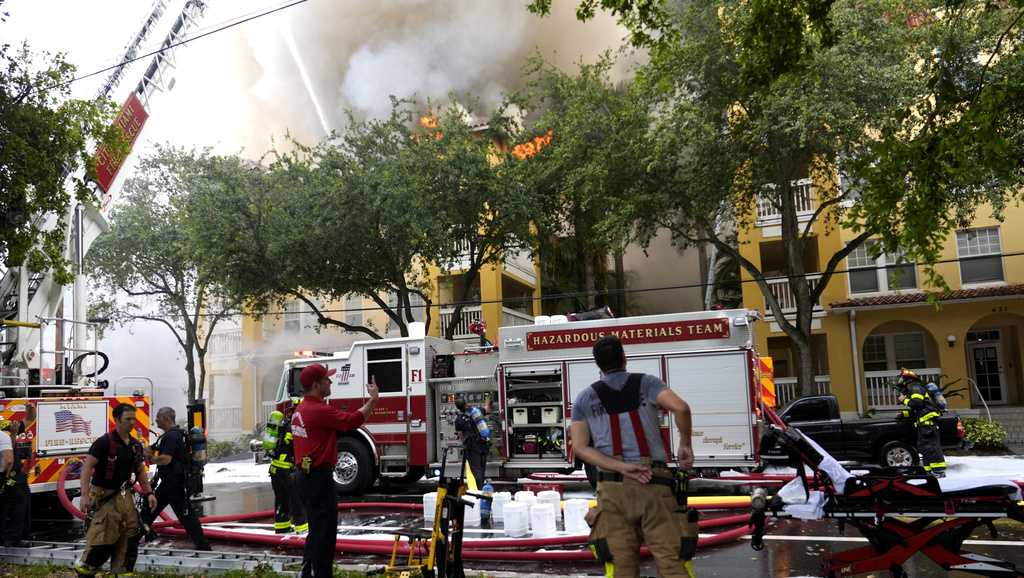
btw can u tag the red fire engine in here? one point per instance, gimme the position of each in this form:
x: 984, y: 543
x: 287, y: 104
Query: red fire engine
x: 529, y: 382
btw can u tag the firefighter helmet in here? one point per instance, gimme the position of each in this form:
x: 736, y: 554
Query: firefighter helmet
x: 907, y: 377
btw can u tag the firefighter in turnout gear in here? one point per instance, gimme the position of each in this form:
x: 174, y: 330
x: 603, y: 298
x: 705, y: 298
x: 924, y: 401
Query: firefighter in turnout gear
x: 113, y: 528
x: 15, y: 496
x: 923, y: 410
x: 289, y: 514
x: 616, y: 427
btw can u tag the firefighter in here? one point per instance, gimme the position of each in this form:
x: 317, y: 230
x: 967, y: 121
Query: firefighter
x: 923, y: 410
x: 475, y: 438
x: 171, y: 456
x: 112, y: 526
x: 616, y: 427
x: 15, y: 496
x: 277, y: 440
x: 315, y: 426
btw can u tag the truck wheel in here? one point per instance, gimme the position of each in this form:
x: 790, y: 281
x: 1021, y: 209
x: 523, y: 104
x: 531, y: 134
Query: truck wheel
x: 897, y: 455
x: 353, y: 472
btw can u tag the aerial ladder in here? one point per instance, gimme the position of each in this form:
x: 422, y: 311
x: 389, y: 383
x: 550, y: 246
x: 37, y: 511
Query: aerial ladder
x: 32, y: 304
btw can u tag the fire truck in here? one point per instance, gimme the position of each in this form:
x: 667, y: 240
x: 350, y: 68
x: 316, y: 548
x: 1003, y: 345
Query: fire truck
x: 528, y: 383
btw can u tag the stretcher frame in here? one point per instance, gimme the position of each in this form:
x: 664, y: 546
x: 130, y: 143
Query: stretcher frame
x: 898, y: 518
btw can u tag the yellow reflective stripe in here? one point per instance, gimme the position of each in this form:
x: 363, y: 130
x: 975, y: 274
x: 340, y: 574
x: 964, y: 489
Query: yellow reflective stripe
x: 916, y: 396
x: 927, y: 468
x: 302, y: 528
x: 938, y: 464
x: 906, y: 401
x: 283, y: 525
x: 688, y: 566
x: 609, y: 570
x: 927, y: 417
x: 288, y: 437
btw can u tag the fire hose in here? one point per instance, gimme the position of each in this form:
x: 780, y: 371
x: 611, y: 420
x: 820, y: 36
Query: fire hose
x: 473, y: 549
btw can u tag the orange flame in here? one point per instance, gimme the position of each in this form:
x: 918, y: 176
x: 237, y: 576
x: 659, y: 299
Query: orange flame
x: 428, y: 121
x: 529, y: 149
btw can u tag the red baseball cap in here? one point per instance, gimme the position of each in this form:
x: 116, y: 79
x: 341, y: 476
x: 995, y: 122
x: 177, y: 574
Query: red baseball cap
x: 312, y: 373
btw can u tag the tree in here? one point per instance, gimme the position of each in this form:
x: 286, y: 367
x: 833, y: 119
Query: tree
x: 751, y: 96
x: 45, y: 138
x: 366, y: 213
x: 147, y: 262
x: 466, y: 178
x: 588, y: 158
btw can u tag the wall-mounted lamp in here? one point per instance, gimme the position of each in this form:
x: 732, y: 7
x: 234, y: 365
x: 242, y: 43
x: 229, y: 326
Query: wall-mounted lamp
x: 951, y: 339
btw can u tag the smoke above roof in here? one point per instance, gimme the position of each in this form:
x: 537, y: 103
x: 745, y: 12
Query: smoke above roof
x: 323, y: 58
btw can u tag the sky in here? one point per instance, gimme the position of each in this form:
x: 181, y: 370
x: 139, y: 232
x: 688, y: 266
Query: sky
x: 295, y: 73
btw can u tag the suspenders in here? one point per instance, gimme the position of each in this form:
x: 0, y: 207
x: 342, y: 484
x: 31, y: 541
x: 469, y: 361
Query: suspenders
x: 625, y: 401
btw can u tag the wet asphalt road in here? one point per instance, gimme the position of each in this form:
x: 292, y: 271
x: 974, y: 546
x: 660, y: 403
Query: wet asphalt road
x: 792, y: 548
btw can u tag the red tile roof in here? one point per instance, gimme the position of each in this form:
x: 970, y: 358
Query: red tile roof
x: 921, y: 297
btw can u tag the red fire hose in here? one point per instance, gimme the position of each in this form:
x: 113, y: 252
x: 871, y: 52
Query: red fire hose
x: 473, y: 549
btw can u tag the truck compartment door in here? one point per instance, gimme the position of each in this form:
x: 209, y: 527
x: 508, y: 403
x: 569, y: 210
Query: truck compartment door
x: 717, y: 388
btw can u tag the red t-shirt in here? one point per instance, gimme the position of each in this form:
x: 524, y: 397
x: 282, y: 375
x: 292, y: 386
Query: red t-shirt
x: 315, y: 427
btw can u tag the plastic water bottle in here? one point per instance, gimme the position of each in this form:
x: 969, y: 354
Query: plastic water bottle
x: 485, y: 504
x: 481, y: 423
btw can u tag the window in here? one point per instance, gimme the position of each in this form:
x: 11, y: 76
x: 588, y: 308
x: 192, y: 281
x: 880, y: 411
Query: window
x: 895, y: 351
x: 908, y: 351
x: 353, y: 309
x: 292, y: 317
x: 385, y: 366
x: 874, y: 354
x: 980, y: 254
x: 809, y: 410
x: 863, y: 275
x: 870, y: 274
x: 419, y: 312
x: 983, y: 335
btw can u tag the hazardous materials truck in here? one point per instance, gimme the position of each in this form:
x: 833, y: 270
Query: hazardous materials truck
x: 529, y: 381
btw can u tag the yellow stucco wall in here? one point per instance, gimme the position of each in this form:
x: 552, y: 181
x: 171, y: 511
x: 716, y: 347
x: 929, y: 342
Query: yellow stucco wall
x: 950, y: 319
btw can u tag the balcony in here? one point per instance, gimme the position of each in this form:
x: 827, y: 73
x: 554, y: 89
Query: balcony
x: 880, y: 386
x: 783, y: 293
x: 769, y: 214
x: 512, y: 318
x: 509, y: 318
x: 225, y: 420
x: 787, y: 389
x: 469, y: 315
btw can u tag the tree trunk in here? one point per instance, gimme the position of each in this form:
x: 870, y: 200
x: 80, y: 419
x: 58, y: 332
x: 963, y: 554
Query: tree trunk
x: 190, y: 369
x: 202, y: 375
x: 467, y: 286
x: 797, y: 276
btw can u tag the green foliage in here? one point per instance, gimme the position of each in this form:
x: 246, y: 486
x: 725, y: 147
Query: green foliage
x: 593, y: 161
x: 364, y: 212
x: 985, y: 434
x: 216, y: 450
x: 45, y: 137
x: 147, y: 263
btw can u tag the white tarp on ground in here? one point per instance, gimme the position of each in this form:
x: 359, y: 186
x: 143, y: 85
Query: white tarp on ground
x: 240, y: 472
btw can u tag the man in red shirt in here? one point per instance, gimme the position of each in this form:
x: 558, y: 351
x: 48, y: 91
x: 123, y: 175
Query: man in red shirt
x: 315, y: 427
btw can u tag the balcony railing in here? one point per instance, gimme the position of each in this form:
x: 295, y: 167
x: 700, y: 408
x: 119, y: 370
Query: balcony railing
x: 469, y: 315
x: 787, y: 389
x: 768, y: 213
x: 881, y: 394
x: 779, y: 286
x: 225, y: 420
x: 512, y: 318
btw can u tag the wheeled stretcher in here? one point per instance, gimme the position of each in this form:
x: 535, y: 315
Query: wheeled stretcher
x: 900, y: 511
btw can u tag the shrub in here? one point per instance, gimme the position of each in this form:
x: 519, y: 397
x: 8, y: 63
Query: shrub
x: 985, y: 434
x: 217, y: 450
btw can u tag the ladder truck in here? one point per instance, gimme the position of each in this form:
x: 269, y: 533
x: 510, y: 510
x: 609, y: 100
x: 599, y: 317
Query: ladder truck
x: 51, y: 387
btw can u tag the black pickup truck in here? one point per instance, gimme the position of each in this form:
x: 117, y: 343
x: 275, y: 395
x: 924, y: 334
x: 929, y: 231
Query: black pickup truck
x: 886, y: 442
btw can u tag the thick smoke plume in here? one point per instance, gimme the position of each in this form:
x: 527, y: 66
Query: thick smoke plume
x: 356, y: 54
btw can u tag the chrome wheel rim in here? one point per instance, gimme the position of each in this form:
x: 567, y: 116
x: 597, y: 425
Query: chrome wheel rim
x: 346, y: 468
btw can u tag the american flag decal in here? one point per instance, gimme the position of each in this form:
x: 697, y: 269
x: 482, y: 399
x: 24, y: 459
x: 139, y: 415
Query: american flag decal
x: 343, y: 373
x: 72, y: 422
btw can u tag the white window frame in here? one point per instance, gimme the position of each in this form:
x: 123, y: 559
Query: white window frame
x: 351, y: 316
x: 961, y: 258
x: 881, y: 267
x: 891, y: 363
